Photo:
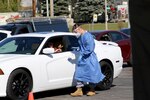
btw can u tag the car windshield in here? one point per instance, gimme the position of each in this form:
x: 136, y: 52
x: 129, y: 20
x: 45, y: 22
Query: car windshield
x: 20, y: 45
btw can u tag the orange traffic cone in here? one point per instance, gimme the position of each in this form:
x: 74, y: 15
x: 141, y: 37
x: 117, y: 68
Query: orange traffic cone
x: 30, y: 97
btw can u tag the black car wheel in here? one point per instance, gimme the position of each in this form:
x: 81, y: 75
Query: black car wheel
x: 108, y: 72
x: 19, y: 85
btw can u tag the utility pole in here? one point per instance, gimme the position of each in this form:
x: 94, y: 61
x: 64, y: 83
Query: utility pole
x: 106, y: 16
x: 47, y: 8
x: 33, y: 8
x: 52, y: 8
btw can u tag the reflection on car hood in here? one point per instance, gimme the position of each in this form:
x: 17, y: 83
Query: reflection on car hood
x: 8, y: 57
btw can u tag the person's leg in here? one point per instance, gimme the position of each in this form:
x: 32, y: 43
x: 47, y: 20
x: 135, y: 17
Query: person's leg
x: 79, y: 91
x: 91, y: 90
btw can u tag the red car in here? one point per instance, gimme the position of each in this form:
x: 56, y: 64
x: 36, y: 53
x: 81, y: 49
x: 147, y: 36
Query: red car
x: 120, y: 38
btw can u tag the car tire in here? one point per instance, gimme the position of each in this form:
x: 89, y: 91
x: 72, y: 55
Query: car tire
x: 19, y: 85
x: 108, y: 72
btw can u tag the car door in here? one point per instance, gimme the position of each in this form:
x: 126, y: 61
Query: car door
x: 60, y: 67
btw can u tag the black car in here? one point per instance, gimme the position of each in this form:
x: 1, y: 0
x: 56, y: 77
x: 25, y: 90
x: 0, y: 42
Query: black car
x: 27, y: 25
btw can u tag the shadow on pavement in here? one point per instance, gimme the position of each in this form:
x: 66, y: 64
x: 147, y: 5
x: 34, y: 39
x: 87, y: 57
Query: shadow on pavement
x: 126, y: 65
x: 50, y: 93
x: 57, y: 92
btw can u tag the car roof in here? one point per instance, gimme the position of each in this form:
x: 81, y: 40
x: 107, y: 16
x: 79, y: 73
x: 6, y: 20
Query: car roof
x: 40, y: 24
x: 43, y: 34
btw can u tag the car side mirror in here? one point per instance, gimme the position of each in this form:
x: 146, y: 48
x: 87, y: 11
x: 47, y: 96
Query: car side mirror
x: 48, y: 50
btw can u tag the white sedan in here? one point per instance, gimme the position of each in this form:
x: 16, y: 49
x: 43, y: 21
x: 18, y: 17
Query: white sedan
x: 28, y: 64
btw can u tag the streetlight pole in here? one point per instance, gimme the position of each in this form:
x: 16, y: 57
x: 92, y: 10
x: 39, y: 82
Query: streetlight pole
x: 106, y: 16
x: 34, y: 7
x: 47, y: 8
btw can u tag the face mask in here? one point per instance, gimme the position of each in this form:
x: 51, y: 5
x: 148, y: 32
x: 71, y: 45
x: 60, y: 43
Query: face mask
x: 78, y: 35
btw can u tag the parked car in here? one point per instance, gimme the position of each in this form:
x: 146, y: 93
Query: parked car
x: 4, y: 34
x: 28, y: 25
x: 126, y: 31
x: 25, y: 60
x: 120, y: 38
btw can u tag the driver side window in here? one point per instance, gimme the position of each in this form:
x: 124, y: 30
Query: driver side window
x: 56, y: 43
x: 66, y: 43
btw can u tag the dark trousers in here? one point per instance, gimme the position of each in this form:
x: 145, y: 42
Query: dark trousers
x: 91, y: 86
x: 139, y: 12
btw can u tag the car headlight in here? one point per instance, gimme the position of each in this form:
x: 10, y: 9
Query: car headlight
x: 1, y: 72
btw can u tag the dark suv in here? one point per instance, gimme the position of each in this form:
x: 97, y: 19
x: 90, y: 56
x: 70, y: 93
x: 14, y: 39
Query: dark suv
x: 27, y: 25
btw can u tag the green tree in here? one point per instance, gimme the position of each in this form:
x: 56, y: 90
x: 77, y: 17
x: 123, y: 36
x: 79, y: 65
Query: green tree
x: 84, y: 9
x: 3, y: 5
x: 10, y: 6
x: 61, y: 7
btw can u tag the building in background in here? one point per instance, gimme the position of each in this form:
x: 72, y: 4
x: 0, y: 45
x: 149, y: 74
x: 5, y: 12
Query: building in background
x: 122, y: 10
x: 26, y: 8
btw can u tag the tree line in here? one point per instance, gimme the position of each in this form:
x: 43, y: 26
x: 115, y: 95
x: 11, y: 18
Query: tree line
x: 9, y: 5
x: 81, y: 10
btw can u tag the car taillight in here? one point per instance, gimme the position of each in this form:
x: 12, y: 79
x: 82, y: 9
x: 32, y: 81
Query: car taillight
x: 1, y: 72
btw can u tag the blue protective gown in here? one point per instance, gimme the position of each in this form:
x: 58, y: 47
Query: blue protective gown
x: 87, y: 67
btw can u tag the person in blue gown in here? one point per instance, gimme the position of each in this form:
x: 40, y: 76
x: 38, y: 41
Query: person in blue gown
x: 88, y: 69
